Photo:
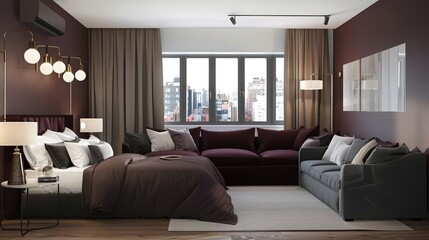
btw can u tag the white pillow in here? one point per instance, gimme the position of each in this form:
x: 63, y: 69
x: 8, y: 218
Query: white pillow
x: 160, y: 141
x: 36, y: 155
x: 105, y: 149
x: 333, y: 143
x: 339, y: 154
x: 67, y: 131
x: 92, y: 140
x: 79, y: 153
x: 52, y: 135
x: 358, y: 159
x: 62, y: 136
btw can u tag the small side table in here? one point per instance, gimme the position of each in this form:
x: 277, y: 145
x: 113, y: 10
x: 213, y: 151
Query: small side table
x: 25, y: 188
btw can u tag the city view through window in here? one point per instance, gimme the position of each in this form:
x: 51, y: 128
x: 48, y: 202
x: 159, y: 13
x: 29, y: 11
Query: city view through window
x: 248, y: 100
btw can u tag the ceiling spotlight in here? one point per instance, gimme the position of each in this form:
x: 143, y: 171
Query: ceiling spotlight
x: 326, y: 20
x: 233, y: 20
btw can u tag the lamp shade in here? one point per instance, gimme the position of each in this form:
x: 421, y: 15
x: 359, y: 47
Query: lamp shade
x: 18, y: 133
x: 311, y: 85
x: 91, y: 125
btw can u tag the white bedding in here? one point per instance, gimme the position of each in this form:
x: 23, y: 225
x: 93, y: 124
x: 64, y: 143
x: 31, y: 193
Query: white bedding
x: 70, y: 180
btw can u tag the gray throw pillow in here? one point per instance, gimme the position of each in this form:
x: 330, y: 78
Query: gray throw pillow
x: 383, y: 154
x: 183, y: 140
x: 357, y: 144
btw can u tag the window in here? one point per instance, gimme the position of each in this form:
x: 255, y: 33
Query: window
x: 223, y: 89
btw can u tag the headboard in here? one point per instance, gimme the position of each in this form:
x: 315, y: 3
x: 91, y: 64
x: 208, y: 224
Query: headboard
x: 53, y: 122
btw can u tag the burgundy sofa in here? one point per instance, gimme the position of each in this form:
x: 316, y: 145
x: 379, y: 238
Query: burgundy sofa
x: 271, y: 158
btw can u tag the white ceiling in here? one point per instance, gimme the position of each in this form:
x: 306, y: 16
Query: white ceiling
x: 211, y: 13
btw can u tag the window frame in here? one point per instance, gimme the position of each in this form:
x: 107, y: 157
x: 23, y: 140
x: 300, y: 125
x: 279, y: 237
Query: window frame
x: 271, y: 88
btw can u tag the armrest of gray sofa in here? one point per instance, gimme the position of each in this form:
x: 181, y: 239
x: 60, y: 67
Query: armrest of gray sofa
x: 311, y: 153
x: 396, y: 189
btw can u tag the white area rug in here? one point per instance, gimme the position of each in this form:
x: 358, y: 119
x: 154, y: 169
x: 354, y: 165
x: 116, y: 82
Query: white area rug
x: 281, y: 208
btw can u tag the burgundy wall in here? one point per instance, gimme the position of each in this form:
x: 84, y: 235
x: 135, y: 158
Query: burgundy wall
x: 30, y: 92
x: 383, y: 25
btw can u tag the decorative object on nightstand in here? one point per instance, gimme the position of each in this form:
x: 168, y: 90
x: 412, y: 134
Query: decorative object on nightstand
x: 91, y: 125
x: 17, y: 134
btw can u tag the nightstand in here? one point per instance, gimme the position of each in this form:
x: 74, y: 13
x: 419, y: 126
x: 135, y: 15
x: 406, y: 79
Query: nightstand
x: 25, y: 228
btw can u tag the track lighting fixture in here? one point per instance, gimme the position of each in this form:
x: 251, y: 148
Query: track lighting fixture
x: 233, y: 18
x: 326, y: 20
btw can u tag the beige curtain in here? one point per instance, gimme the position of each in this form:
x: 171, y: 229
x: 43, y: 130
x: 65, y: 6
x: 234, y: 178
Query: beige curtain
x: 126, y: 85
x: 307, y: 54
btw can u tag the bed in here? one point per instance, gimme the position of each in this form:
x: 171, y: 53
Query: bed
x: 187, y: 188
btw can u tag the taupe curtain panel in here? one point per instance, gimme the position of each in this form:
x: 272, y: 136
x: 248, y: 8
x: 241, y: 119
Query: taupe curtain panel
x: 307, y: 54
x: 126, y: 85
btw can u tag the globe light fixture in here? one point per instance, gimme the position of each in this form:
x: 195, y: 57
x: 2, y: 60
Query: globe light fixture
x: 68, y: 75
x: 80, y: 74
x: 31, y: 56
x: 59, y: 66
x: 46, y: 67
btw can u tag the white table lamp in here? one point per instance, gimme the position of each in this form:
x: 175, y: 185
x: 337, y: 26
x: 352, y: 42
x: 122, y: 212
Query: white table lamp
x: 91, y: 125
x: 17, y: 134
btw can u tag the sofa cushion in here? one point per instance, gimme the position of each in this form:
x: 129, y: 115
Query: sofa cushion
x: 303, y: 134
x: 275, y: 139
x: 138, y: 142
x: 333, y: 143
x: 279, y: 157
x: 383, y: 154
x: 183, y: 140
x: 339, y: 154
x: 317, y: 171
x: 232, y: 157
x: 239, y: 139
x: 331, y: 179
x: 364, y: 152
x: 307, y: 165
x: 357, y: 144
x: 160, y: 141
x: 171, y: 152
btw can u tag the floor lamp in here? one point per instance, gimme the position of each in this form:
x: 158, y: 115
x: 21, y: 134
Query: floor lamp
x: 17, y: 133
x: 318, y: 85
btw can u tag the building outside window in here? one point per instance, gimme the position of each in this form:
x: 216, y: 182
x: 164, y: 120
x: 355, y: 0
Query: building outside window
x: 223, y: 89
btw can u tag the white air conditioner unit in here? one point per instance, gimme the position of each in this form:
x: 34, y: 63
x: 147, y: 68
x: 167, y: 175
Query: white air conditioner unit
x: 37, y: 13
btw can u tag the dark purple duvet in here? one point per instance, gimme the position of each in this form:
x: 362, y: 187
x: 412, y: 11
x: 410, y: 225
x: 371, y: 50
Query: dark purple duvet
x: 131, y: 185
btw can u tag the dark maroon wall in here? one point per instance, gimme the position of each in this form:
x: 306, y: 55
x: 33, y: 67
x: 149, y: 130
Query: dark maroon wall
x: 383, y: 25
x: 30, y: 92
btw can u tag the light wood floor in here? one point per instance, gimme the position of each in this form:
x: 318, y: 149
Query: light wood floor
x: 157, y: 229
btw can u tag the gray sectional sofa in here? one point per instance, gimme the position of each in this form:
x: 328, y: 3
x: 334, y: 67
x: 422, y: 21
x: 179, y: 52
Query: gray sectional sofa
x: 395, y: 188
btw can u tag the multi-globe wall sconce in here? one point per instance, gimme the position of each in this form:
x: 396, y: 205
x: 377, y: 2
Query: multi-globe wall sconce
x: 59, y: 66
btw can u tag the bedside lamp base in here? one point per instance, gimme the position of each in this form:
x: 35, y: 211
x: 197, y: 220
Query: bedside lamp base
x: 16, y: 176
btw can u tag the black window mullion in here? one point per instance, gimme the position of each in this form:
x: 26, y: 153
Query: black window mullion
x: 183, y: 91
x: 270, y: 90
x: 212, y: 90
x: 241, y: 92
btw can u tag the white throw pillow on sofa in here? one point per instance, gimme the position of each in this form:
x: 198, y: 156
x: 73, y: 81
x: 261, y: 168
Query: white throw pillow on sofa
x: 358, y: 159
x: 333, y: 143
x: 339, y: 154
x: 160, y: 141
